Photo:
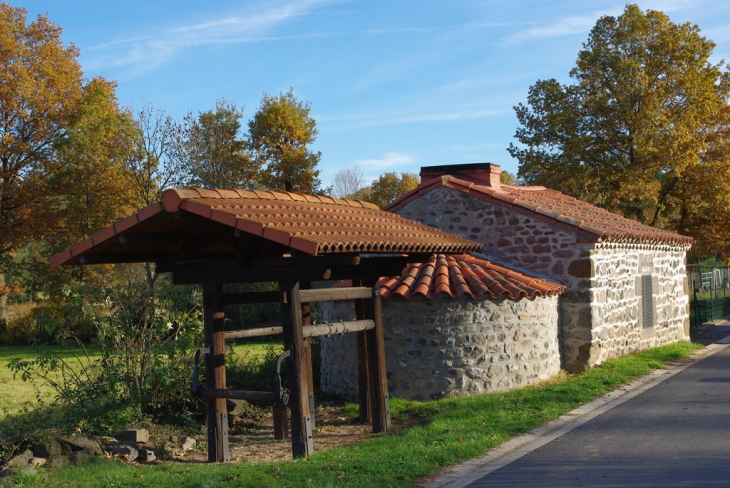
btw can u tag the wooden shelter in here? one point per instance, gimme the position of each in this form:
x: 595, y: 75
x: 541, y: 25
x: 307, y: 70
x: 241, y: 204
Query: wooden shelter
x: 213, y: 237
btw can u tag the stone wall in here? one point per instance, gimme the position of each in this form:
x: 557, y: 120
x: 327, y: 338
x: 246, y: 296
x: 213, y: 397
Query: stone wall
x: 447, y: 347
x: 600, y: 316
x: 617, y: 305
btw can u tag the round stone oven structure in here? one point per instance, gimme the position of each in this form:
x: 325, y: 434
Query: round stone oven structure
x: 457, y: 325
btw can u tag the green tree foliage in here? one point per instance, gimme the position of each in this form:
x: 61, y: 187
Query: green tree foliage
x: 279, y: 134
x: 214, y: 150
x: 642, y: 130
x: 40, y: 81
x: 389, y: 186
x: 507, y: 178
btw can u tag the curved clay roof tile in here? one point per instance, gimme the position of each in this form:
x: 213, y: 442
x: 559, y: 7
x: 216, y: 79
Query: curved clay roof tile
x: 462, y: 275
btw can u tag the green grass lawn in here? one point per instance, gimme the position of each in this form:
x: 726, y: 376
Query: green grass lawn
x: 16, y: 394
x: 444, y: 432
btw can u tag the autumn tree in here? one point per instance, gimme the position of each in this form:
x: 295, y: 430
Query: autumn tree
x: 389, y: 186
x: 40, y: 81
x: 154, y: 164
x: 214, y: 150
x: 89, y: 186
x: 280, y: 133
x: 645, y: 117
x: 348, y: 182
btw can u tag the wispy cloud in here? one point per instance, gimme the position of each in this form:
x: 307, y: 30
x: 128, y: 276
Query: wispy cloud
x: 387, y: 161
x: 353, y: 121
x: 581, y: 24
x: 562, y: 27
x: 145, y: 52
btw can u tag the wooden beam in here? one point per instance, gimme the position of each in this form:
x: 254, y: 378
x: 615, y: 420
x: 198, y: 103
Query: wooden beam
x: 337, y: 328
x: 302, y: 268
x: 233, y: 272
x: 215, y: 369
x: 363, y: 373
x: 306, y: 321
x: 258, y: 332
x: 296, y: 369
x: 335, y: 294
x: 239, y: 250
x: 252, y: 396
x: 281, y: 430
x: 155, y: 238
x: 307, y: 330
x: 118, y: 258
x: 379, y: 399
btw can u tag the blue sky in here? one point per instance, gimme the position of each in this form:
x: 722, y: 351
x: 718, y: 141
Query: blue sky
x: 394, y: 85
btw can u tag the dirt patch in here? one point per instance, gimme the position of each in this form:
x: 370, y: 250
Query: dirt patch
x: 251, y: 438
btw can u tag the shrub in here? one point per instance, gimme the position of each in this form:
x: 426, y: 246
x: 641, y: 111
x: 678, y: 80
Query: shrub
x: 47, y: 323
x: 144, y: 370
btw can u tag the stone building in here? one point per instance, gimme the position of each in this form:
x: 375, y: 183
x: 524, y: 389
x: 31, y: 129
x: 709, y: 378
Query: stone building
x: 457, y: 325
x: 626, y: 281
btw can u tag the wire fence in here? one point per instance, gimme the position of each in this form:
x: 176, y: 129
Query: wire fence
x: 709, y: 297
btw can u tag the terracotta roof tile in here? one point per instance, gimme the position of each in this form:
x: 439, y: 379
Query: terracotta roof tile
x: 598, y: 224
x: 456, y: 276
x: 311, y: 224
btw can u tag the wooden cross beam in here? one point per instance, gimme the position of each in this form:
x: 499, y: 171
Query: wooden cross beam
x: 297, y: 333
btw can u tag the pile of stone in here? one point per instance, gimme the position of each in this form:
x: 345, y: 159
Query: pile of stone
x: 131, y: 445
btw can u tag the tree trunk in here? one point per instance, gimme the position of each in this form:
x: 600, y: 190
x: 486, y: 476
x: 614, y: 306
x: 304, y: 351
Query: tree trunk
x: 3, y: 303
x: 151, y: 275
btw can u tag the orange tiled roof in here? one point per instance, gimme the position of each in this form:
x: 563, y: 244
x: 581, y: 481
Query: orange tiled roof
x: 461, y: 275
x: 555, y: 208
x: 310, y: 224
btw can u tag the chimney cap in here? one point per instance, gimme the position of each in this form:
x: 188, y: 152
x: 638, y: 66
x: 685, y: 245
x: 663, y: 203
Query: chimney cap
x: 487, y: 174
x: 455, y: 168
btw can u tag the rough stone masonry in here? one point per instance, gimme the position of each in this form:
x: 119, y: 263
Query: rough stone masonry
x: 447, y: 347
x: 603, y: 314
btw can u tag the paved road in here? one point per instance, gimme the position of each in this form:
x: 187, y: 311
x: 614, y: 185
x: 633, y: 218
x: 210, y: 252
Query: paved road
x: 674, y: 434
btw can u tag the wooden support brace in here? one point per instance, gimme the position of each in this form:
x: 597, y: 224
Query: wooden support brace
x: 250, y: 396
x: 307, y: 330
x: 379, y: 399
x: 281, y: 429
x: 306, y: 321
x: 363, y: 374
x: 215, y: 369
x: 301, y: 436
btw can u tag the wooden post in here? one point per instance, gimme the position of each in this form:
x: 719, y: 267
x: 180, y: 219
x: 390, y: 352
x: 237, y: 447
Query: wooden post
x: 379, y: 400
x: 281, y: 429
x: 363, y: 374
x: 215, y: 370
x: 301, y: 431
x: 307, y: 320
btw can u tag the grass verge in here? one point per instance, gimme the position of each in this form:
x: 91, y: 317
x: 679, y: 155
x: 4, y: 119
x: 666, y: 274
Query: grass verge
x: 16, y: 395
x: 443, y: 433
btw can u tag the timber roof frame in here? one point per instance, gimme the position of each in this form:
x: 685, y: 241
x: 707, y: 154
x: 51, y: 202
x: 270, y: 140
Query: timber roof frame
x: 248, y: 236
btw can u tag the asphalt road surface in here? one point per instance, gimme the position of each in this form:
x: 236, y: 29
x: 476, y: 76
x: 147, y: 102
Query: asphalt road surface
x: 674, y: 434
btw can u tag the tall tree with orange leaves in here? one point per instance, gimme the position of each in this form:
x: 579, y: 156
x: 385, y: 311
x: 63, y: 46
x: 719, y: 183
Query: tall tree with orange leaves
x: 40, y: 82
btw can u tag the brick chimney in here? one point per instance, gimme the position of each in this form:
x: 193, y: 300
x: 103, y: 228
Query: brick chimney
x: 487, y: 174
